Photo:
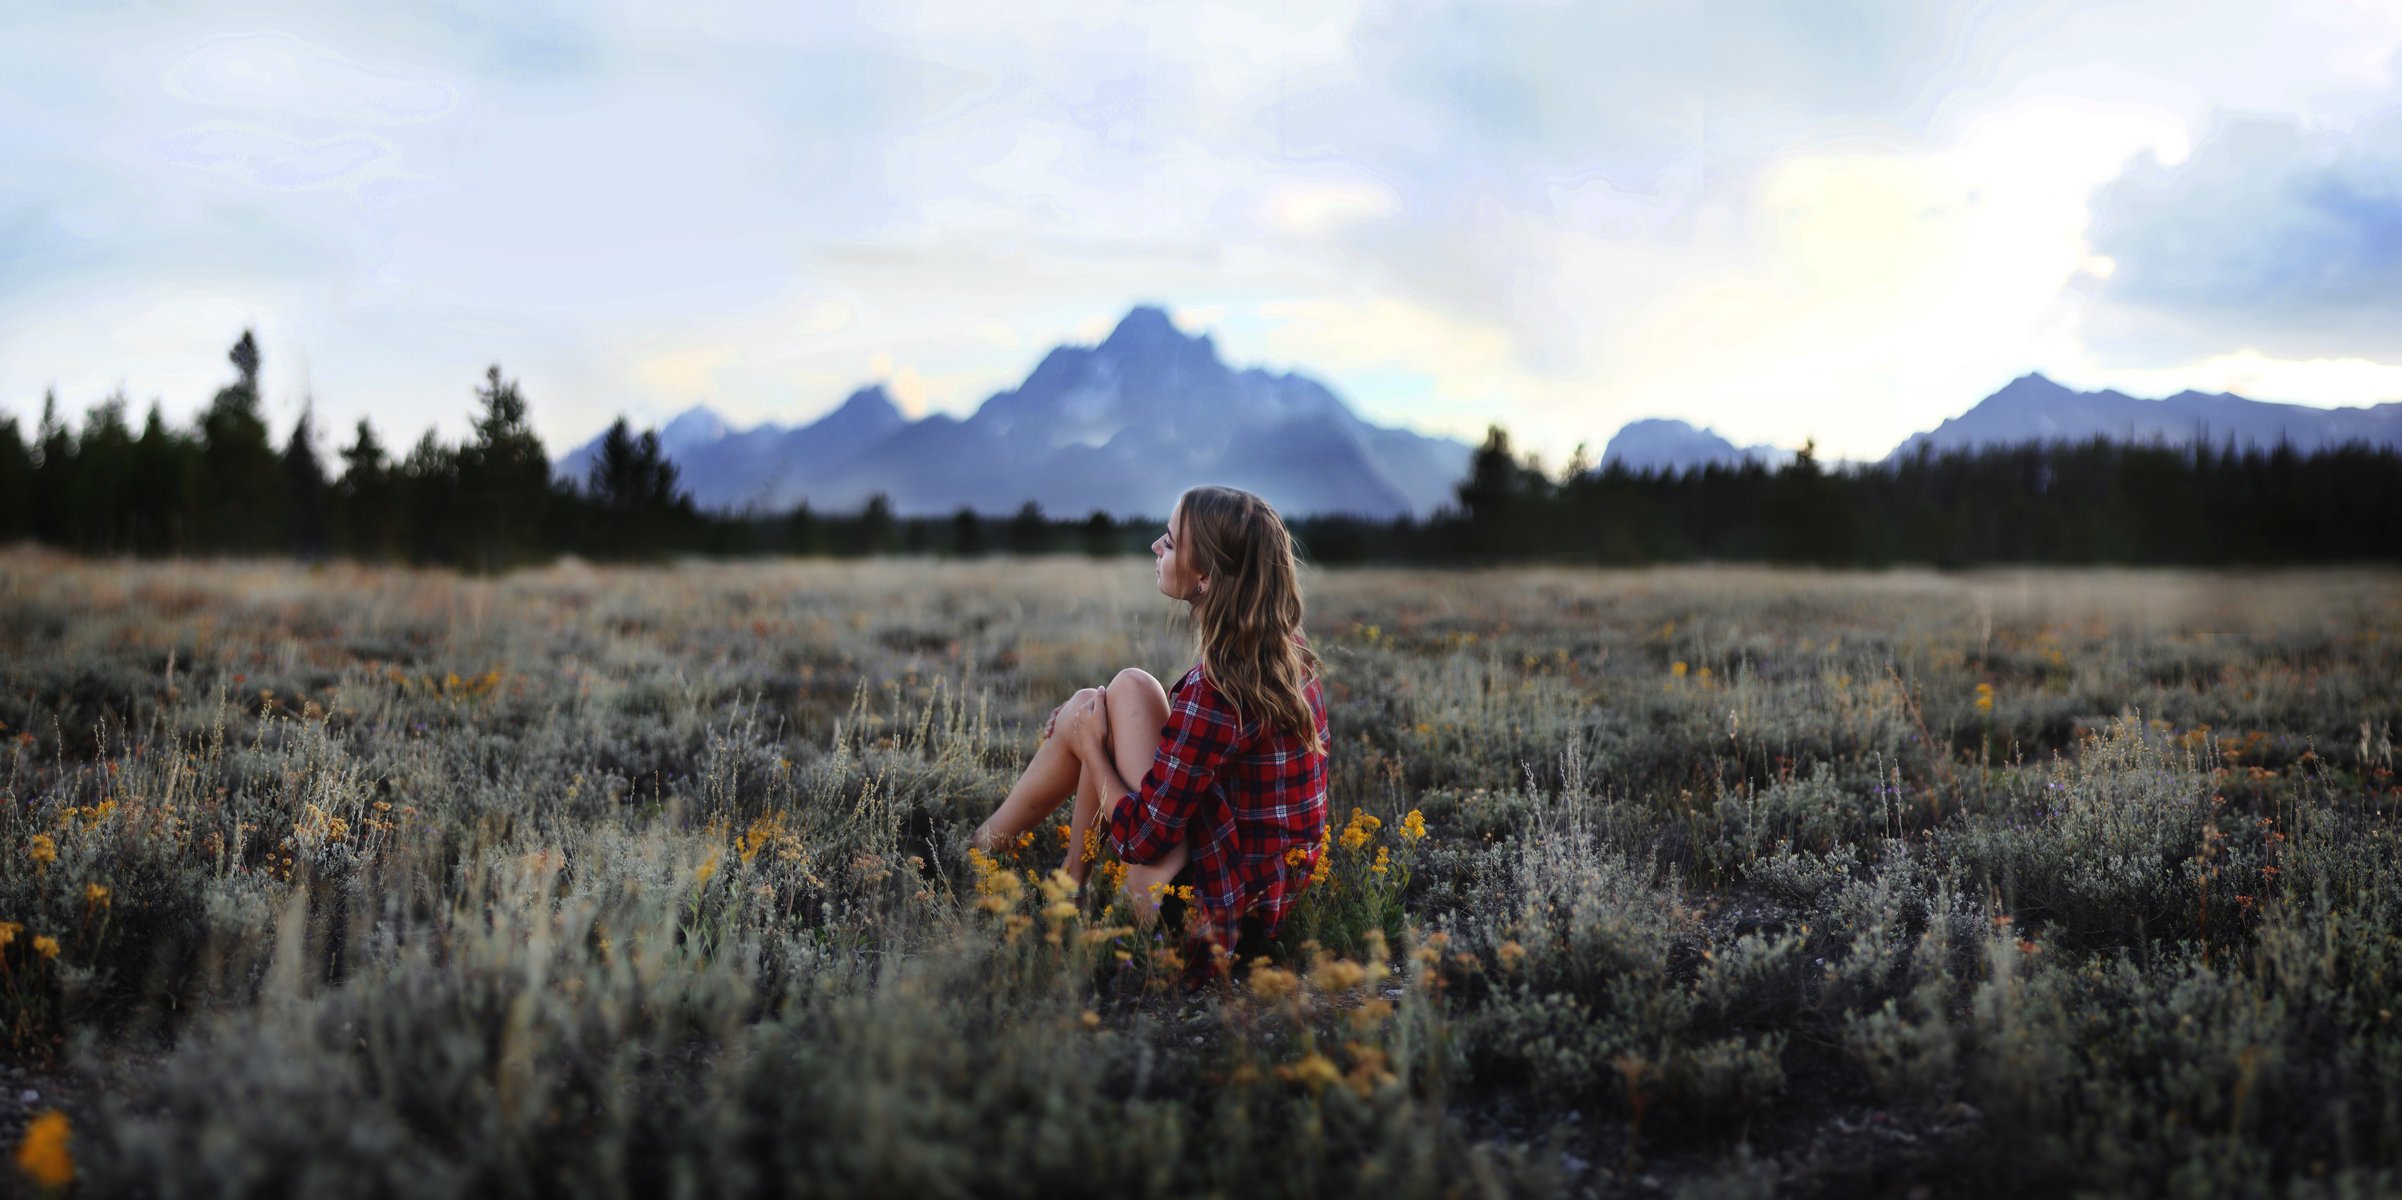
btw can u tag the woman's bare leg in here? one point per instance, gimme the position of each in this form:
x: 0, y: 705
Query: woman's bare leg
x: 1054, y: 773
x: 1138, y: 709
x: 1081, y: 851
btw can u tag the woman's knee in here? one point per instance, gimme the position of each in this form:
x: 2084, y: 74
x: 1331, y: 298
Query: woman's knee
x: 1135, y: 685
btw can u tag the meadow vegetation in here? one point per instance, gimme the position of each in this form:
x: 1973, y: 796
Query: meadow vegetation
x: 1697, y: 881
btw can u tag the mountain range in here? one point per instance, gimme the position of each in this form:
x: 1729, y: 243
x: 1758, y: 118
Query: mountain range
x: 1666, y: 445
x: 1123, y: 426
x: 1120, y: 427
x: 2032, y: 408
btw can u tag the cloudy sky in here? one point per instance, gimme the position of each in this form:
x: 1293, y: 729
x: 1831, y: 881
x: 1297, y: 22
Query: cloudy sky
x: 1780, y: 218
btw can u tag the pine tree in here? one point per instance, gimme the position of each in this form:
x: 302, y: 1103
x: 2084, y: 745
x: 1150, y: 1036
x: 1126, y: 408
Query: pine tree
x: 427, y: 487
x: 105, y: 467
x: 504, y: 480
x: 365, y: 502
x: 1029, y: 530
x: 242, y: 486
x: 305, y: 489
x: 166, y: 470
x: 1100, y: 535
x: 16, y: 483
x: 56, y: 504
x: 877, y: 534
x: 967, y: 533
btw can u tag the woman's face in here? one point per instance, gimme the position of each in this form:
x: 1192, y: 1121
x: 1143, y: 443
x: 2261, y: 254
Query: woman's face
x: 1177, y: 581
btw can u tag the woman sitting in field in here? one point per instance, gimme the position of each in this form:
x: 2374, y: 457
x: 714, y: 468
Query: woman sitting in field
x: 1232, y: 764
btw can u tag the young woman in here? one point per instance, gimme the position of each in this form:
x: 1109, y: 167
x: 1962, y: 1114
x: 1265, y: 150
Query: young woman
x: 1231, y: 765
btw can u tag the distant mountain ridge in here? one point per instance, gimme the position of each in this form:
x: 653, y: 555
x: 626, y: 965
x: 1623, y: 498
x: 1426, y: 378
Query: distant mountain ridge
x: 1120, y: 427
x: 2032, y: 408
x: 1668, y: 446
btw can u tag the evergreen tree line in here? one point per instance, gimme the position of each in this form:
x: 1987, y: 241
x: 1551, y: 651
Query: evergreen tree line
x: 2092, y: 502
x: 223, y: 487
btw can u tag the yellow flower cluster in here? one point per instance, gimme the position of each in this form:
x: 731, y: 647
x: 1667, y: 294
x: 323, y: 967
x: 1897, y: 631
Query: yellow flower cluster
x: 43, y: 1154
x: 1984, y: 697
x: 1315, y: 1071
x: 1413, y: 826
x: 1359, y: 829
x: 41, y: 850
x: 95, y: 895
x: 1272, y: 984
x: 770, y: 835
x: 92, y: 814
x: 475, y: 686
x: 316, y: 824
x: 997, y: 887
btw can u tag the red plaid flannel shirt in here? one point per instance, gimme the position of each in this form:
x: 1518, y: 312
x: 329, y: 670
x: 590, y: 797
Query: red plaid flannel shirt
x: 1241, y: 795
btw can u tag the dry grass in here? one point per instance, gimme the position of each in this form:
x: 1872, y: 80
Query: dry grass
x: 1736, y: 881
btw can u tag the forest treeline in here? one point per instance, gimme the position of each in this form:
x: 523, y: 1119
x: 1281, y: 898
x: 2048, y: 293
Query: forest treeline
x: 225, y: 486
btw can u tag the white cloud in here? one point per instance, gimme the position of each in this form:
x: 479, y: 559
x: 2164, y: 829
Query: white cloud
x: 2319, y: 382
x: 1560, y: 217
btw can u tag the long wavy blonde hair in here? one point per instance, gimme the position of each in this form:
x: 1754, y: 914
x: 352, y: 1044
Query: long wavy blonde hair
x: 1246, y: 625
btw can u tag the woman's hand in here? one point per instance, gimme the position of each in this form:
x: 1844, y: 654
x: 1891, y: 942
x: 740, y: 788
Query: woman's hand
x: 1051, y: 722
x: 1084, y: 722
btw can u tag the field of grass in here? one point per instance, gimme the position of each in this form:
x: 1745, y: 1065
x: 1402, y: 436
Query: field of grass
x: 1720, y: 882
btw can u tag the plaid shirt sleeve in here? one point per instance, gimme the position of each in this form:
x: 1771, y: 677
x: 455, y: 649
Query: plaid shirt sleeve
x: 1200, y: 735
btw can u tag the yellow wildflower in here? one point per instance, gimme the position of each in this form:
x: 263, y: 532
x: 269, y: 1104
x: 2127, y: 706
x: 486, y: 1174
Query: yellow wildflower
x: 997, y: 890
x: 45, y: 945
x: 1677, y: 669
x: 95, y: 894
x: 41, y: 850
x: 1413, y: 826
x: 1338, y: 975
x: 1384, y: 860
x: 43, y: 1154
x: 1359, y: 829
x: 9, y: 931
x: 1314, y: 1071
x: 1510, y: 954
x: 1273, y: 984
x: 701, y: 877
